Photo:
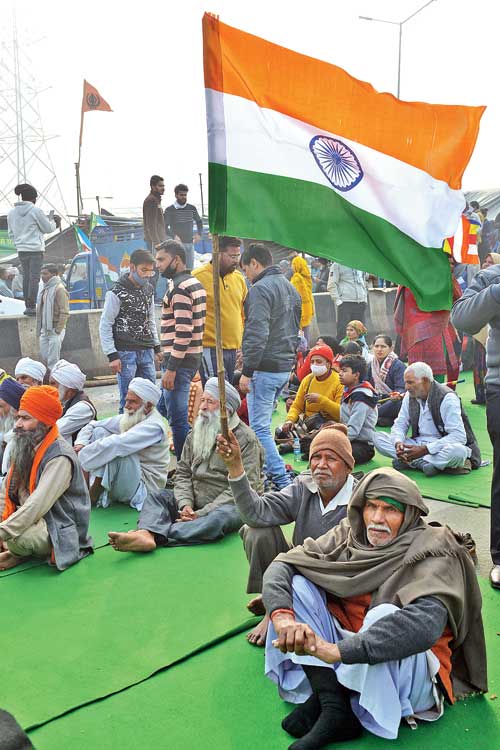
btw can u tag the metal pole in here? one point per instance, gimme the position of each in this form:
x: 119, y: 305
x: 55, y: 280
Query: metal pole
x: 201, y: 193
x: 98, y: 204
x: 78, y: 190
x: 218, y: 337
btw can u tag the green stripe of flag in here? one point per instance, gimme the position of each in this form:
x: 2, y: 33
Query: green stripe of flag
x: 317, y: 220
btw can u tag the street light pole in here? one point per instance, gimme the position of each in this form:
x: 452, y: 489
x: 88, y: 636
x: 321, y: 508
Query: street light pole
x: 400, y: 24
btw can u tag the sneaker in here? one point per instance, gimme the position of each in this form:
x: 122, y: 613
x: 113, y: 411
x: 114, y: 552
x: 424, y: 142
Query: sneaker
x: 30, y: 311
x: 465, y: 469
x: 400, y: 465
x: 429, y: 469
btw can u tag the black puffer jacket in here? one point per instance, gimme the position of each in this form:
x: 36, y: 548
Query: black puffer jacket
x: 272, y: 318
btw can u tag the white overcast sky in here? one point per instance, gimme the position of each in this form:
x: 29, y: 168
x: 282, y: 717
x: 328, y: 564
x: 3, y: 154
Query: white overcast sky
x: 145, y: 58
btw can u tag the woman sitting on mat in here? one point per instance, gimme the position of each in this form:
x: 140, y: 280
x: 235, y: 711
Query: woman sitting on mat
x: 386, y: 374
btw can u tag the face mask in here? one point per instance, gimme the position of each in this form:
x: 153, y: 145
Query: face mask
x: 169, y: 272
x: 319, y: 370
x: 142, y: 281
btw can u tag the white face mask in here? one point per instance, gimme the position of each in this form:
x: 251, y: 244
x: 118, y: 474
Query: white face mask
x: 319, y: 370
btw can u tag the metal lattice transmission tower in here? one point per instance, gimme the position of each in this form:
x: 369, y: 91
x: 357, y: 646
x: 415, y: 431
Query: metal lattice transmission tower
x: 24, y: 151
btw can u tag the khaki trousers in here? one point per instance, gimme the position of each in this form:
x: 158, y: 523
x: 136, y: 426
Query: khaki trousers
x: 34, y: 542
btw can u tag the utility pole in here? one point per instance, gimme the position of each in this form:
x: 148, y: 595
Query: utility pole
x: 400, y: 24
x: 24, y: 151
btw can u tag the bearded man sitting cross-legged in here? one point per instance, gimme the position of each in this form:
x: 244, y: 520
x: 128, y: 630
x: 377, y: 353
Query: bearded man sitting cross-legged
x: 200, y: 508
x: 127, y: 455
x: 44, y: 501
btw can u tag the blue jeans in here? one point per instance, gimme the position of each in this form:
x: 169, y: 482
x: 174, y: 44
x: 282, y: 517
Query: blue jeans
x: 208, y: 367
x: 266, y: 387
x: 176, y: 404
x: 189, y: 250
x: 135, y: 364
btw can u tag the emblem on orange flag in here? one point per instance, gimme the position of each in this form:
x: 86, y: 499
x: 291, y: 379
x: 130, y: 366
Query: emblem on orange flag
x: 92, y: 100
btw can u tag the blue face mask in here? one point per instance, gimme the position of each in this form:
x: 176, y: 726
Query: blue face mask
x: 142, y: 281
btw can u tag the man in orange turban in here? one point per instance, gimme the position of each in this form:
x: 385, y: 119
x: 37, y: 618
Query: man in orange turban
x: 44, y: 501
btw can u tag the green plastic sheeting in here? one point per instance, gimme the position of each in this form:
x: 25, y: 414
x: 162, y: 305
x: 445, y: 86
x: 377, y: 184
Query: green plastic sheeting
x: 115, y: 518
x: 220, y: 700
x: 113, y: 619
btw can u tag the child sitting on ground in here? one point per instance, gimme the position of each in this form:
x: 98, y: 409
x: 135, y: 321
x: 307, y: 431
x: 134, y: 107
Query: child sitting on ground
x: 359, y: 407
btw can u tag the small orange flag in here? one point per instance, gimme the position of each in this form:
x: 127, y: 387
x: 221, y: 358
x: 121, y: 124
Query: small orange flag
x: 92, y: 100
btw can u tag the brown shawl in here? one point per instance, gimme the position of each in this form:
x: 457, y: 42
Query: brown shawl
x: 423, y: 560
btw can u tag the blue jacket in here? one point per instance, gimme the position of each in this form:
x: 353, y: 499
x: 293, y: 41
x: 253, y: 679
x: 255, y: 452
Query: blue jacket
x: 272, y: 318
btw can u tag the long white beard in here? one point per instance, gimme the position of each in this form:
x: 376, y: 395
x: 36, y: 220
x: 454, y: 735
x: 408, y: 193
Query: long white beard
x: 7, y: 423
x: 205, y: 430
x: 128, y: 421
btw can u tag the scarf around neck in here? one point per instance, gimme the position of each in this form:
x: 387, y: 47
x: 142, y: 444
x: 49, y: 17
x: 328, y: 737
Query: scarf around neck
x: 381, y: 371
x: 48, y: 295
x: 9, y: 505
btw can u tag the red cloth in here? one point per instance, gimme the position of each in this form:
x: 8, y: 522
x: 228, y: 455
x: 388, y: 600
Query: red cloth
x: 43, y: 403
x: 351, y: 612
x: 428, y: 336
x: 243, y: 410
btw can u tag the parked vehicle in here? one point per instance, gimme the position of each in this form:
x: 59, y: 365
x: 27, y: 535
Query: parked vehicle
x: 94, y: 271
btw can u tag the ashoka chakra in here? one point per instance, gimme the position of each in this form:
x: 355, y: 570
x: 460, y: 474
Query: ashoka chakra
x: 337, y: 162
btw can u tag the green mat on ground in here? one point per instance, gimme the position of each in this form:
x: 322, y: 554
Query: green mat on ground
x: 219, y: 699
x: 471, y: 489
x: 115, y: 518
x: 112, y: 620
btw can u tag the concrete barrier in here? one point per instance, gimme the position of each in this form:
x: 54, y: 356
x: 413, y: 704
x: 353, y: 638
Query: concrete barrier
x: 379, y: 317
x: 82, y: 345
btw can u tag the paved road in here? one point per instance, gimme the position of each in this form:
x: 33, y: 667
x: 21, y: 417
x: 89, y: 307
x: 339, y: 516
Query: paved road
x: 473, y: 520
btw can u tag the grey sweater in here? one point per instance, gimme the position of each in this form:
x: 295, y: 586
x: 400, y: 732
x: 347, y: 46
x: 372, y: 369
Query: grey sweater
x: 411, y: 630
x: 299, y: 503
x: 479, y: 306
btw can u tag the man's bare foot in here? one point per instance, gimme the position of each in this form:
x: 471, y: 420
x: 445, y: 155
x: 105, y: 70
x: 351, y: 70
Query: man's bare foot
x: 138, y: 540
x: 95, y: 490
x: 8, y: 560
x: 256, y: 606
x: 257, y: 636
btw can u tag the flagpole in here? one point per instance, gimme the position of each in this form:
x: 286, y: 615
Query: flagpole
x: 77, y: 166
x: 218, y: 336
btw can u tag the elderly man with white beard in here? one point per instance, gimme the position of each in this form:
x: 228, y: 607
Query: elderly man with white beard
x: 78, y: 409
x: 44, y: 501
x: 127, y: 456
x: 200, y: 508
x: 11, y: 393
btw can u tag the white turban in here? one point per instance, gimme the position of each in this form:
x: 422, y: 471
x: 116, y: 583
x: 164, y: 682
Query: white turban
x: 67, y: 374
x: 146, y: 390
x: 233, y: 401
x: 31, y: 368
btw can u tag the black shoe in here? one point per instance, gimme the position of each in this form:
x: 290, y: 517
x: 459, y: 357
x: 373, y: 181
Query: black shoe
x: 336, y: 722
x: 30, y: 311
x: 477, y: 402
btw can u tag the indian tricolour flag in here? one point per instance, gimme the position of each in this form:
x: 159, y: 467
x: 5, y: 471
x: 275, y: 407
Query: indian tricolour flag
x: 305, y: 155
